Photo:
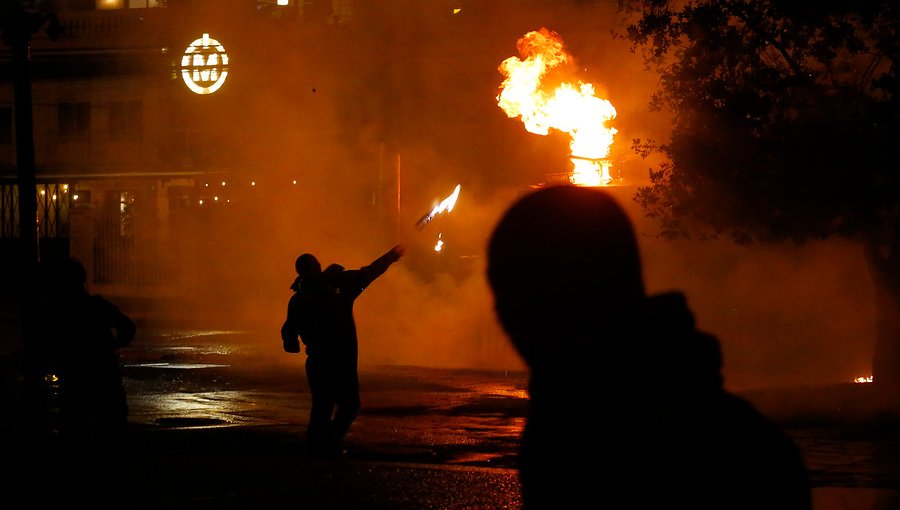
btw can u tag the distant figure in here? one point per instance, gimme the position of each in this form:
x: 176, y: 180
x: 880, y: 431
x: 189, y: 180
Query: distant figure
x: 626, y: 396
x: 82, y: 334
x: 320, y: 313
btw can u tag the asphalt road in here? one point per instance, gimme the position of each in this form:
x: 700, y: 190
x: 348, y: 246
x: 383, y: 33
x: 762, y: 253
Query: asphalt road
x: 219, y: 421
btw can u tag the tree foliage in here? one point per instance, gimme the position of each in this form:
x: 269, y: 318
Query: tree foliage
x: 785, y: 116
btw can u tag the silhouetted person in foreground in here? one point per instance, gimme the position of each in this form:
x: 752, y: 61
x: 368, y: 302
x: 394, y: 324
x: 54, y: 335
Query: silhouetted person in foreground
x: 321, y: 313
x: 564, y: 268
x: 82, y: 334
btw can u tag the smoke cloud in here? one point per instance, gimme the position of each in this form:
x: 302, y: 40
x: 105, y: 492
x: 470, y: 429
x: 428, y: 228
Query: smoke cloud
x: 336, y: 139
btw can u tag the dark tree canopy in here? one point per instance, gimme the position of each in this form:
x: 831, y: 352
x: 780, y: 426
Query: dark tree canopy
x: 785, y: 116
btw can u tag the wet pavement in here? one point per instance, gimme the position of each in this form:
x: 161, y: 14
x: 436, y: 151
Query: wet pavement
x: 251, y: 466
x: 219, y: 419
x: 197, y: 379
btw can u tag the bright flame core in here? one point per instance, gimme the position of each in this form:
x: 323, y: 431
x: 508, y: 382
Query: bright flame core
x: 573, y: 109
x: 446, y: 204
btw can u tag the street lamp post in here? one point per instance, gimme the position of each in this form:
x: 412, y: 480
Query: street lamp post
x: 17, y: 26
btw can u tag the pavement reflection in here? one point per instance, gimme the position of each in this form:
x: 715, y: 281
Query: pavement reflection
x: 212, y: 379
x: 415, y: 424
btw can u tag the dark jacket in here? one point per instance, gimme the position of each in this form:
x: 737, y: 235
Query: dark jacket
x: 642, y: 417
x: 322, y: 315
x: 83, y: 334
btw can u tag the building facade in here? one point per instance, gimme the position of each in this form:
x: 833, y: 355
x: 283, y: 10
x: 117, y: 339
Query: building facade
x: 171, y: 135
x: 125, y: 148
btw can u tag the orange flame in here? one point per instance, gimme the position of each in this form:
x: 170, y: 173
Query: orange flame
x: 573, y: 109
x: 446, y: 205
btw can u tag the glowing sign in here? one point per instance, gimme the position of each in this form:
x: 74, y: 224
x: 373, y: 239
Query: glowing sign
x: 204, y: 65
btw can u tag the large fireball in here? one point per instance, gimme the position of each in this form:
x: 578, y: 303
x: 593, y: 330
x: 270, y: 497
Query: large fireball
x: 568, y: 107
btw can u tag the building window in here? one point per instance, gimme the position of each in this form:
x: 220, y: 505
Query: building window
x: 269, y: 5
x: 74, y: 120
x: 126, y: 120
x: 143, y: 4
x: 53, y: 204
x: 126, y: 216
x: 6, y: 120
x: 127, y: 4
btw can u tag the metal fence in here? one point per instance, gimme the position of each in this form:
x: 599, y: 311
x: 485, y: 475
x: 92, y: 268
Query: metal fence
x: 53, y: 205
x: 119, y: 229
x: 9, y: 211
x: 126, y: 247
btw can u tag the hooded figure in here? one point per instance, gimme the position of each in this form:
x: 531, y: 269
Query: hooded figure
x: 321, y: 313
x: 564, y: 268
x: 83, y: 334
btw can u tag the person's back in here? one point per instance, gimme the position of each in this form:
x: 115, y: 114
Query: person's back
x: 90, y: 369
x: 83, y: 333
x: 307, y: 309
x: 564, y: 268
x: 343, y: 287
x: 321, y: 313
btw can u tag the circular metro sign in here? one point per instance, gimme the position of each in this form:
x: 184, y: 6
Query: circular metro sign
x: 204, y: 65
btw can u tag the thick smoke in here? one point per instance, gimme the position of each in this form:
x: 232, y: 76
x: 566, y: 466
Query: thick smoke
x: 378, y: 120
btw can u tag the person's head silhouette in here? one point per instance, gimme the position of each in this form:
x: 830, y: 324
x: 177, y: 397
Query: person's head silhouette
x: 65, y: 277
x: 563, y: 262
x: 564, y: 268
x: 309, y: 270
x: 307, y: 265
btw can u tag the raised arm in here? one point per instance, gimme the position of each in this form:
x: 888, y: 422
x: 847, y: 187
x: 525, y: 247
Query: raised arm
x: 381, y: 264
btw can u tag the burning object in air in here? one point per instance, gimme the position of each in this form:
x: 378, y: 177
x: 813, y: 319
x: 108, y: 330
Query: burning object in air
x: 567, y: 107
x: 446, y: 205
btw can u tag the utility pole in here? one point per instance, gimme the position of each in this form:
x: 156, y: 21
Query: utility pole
x: 17, y: 26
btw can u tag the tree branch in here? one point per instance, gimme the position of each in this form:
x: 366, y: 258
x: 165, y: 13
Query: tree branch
x: 766, y: 36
